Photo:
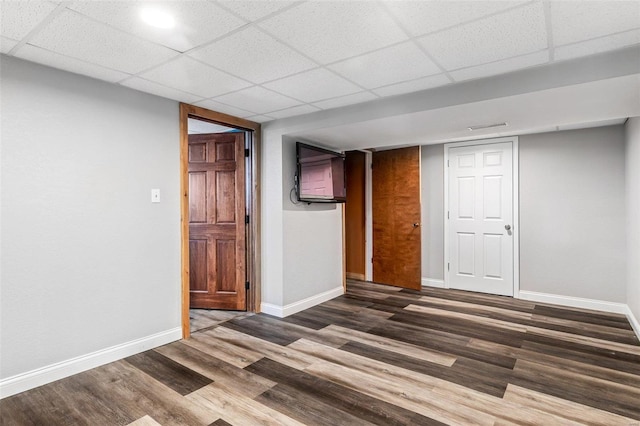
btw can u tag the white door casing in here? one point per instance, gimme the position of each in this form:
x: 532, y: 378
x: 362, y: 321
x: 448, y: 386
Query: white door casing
x: 481, y: 213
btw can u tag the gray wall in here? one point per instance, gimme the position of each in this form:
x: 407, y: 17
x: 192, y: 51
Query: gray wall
x: 572, y: 203
x: 301, y: 243
x: 311, y: 231
x: 572, y: 213
x: 432, y: 189
x: 279, y: 281
x: 88, y: 262
x: 633, y: 214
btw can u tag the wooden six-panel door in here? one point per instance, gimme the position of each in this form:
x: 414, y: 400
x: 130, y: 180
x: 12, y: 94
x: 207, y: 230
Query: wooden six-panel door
x: 396, y: 217
x: 217, y: 221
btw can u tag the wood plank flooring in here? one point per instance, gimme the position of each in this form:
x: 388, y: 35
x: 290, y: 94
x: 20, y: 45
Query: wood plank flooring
x: 377, y: 355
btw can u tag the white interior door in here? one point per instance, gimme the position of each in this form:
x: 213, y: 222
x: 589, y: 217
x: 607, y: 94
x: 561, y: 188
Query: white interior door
x: 481, y: 244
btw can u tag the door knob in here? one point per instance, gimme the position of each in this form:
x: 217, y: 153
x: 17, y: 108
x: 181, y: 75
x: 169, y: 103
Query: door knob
x: 415, y: 225
x: 507, y: 227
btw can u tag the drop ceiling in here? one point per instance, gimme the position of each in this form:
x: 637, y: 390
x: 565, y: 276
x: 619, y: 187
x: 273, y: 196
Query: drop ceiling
x: 267, y: 60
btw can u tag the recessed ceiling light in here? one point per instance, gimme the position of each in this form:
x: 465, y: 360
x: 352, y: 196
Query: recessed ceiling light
x: 487, y: 126
x: 157, y: 18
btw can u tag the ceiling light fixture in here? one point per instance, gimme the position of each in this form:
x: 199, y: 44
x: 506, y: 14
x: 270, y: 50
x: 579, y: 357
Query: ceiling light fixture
x: 157, y: 18
x: 488, y: 126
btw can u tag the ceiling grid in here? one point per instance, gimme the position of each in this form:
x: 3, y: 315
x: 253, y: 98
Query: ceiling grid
x: 266, y: 60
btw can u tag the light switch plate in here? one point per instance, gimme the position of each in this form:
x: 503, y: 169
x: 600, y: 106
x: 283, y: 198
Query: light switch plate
x: 155, y: 195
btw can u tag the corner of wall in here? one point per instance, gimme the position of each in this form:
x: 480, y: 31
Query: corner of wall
x: 632, y: 194
x: 633, y: 320
x: 301, y: 305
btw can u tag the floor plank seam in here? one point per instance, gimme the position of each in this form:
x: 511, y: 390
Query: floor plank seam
x: 375, y: 355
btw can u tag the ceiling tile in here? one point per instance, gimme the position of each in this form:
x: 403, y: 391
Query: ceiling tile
x: 6, y: 44
x: 258, y: 99
x: 422, y: 17
x: 290, y: 112
x: 329, y: 31
x: 413, y: 86
x: 390, y: 65
x: 225, y: 109
x: 577, y: 21
x: 502, y: 36
x: 356, y: 98
x: 260, y: 118
x: 160, y: 90
x: 191, y: 76
x: 18, y: 18
x: 253, y: 10
x: 197, y: 22
x: 74, y: 35
x: 602, y: 44
x: 253, y: 55
x: 314, y: 85
x: 500, y: 67
x: 55, y: 60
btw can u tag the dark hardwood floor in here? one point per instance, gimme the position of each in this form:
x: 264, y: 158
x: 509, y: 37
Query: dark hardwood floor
x: 377, y: 355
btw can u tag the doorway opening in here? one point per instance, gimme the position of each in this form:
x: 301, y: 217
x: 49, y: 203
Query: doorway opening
x: 382, y: 221
x: 219, y: 214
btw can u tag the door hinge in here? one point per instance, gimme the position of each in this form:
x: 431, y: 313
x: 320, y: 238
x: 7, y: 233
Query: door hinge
x: 246, y: 152
x: 447, y: 214
x: 247, y: 285
x: 448, y: 266
x: 246, y: 219
x: 448, y: 163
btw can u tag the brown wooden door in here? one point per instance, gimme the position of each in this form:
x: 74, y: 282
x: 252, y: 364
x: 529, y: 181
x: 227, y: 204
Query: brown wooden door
x: 396, y: 217
x: 355, y: 214
x: 217, y: 221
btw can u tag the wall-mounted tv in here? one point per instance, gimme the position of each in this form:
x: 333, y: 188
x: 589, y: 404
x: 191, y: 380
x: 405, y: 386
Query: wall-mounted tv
x: 320, y: 177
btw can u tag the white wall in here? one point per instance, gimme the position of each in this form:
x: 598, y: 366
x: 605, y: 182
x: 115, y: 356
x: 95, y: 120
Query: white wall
x: 572, y: 211
x: 313, y: 253
x: 633, y: 215
x: 302, y: 243
x: 432, y: 188
x: 272, y: 262
x: 312, y: 236
x: 88, y: 262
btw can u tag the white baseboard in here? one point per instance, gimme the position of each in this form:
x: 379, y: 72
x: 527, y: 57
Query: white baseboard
x: 301, y: 305
x: 41, y: 376
x: 271, y: 309
x: 578, y: 302
x: 575, y: 302
x: 430, y: 282
x: 634, y: 322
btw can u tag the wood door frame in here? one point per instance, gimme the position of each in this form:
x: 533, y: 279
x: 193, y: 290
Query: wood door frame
x: 362, y: 193
x: 252, y: 182
x: 515, y: 201
x: 368, y: 216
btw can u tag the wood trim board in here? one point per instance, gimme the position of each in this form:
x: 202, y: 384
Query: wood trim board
x: 253, y: 231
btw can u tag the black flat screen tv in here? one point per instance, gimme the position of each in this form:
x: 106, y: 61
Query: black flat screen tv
x: 320, y: 177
